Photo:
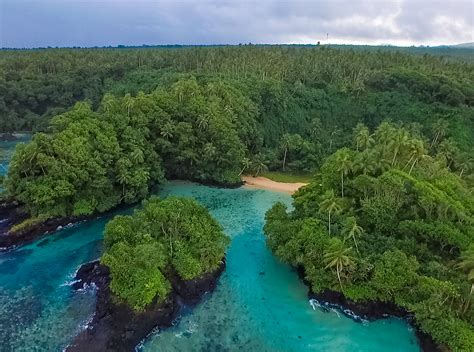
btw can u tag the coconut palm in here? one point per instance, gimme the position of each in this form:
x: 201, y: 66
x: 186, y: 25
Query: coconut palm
x: 330, y: 205
x: 398, y: 141
x: 316, y: 126
x: 285, y: 145
x: 167, y: 131
x: 449, y: 151
x: 108, y: 101
x: 440, y: 127
x: 258, y: 164
x: 362, y: 137
x: 245, y: 165
x: 352, y: 230
x: 417, y: 152
x: 467, y: 263
x: 384, y: 133
x: 203, y: 121
x: 338, y: 257
x: 128, y: 102
x: 344, y: 163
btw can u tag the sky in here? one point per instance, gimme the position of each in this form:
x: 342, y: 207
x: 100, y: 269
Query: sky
x: 86, y: 23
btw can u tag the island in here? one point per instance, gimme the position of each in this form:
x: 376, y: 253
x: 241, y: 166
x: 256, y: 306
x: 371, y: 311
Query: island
x: 169, y: 253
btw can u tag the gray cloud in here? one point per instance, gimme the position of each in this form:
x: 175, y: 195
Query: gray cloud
x: 33, y: 23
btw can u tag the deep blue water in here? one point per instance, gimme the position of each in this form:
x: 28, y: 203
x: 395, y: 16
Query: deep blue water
x: 259, y: 304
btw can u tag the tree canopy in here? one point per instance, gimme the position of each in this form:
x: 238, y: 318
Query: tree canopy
x: 144, y: 250
x: 387, y: 221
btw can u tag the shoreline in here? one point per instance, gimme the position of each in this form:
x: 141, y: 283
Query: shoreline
x: 116, y: 327
x: 260, y: 182
x: 368, y: 310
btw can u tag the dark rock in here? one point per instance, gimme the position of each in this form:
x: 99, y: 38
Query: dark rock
x: 370, y: 310
x: 116, y: 327
x: 7, y: 137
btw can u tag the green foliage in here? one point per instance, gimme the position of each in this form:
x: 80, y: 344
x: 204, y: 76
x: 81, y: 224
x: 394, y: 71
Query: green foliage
x: 92, y: 161
x: 165, y: 236
x: 390, y: 222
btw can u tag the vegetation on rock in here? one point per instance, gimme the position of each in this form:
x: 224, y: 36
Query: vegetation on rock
x: 142, y: 251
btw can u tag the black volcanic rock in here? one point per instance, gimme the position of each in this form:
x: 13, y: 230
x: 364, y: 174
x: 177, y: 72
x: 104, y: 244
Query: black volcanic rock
x: 370, y: 310
x: 116, y: 327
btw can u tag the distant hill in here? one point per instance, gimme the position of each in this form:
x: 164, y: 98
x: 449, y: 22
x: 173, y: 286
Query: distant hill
x: 463, y: 46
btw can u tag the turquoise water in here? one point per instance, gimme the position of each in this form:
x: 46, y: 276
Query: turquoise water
x: 6, y: 150
x: 259, y: 304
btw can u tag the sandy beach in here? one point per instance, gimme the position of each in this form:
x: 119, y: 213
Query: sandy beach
x: 266, y: 183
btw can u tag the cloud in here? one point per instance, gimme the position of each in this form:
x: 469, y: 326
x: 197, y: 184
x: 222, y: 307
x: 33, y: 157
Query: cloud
x: 33, y: 23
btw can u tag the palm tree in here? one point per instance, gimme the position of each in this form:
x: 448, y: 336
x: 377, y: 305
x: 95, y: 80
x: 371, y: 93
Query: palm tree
x: 285, y: 144
x: 203, y: 121
x: 467, y: 263
x: 362, y: 137
x: 363, y: 163
x: 344, y: 165
x: 330, y: 204
x: 440, y: 127
x: 128, y: 102
x: 466, y: 164
x: 245, y: 165
x: 108, y: 102
x: 258, y: 164
x: 339, y: 257
x: 398, y: 141
x: 209, y: 150
x: 449, y: 151
x: 417, y: 152
x: 316, y: 127
x: 167, y: 131
x: 137, y: 155
x: 352, y: 230
x: 384, y: 133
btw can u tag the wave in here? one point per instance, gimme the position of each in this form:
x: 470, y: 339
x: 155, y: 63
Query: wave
x: 326, y: 307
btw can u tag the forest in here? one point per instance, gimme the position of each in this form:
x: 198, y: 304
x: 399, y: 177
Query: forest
x: 387, y: 137
x: 386, y: 220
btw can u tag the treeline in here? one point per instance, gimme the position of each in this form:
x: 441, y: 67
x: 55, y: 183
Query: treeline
x: 290, y: 85
x: 386, y: 220
x: 91, y: 161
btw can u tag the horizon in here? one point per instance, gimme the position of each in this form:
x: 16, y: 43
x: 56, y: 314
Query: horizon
x: 466, y: 45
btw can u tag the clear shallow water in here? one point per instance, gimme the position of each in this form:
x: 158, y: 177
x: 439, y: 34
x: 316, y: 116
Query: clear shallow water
x: 6, y: 150
x: 259, y: 304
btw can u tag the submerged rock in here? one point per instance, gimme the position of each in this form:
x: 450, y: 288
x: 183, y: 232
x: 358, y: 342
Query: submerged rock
x: 117, y: 327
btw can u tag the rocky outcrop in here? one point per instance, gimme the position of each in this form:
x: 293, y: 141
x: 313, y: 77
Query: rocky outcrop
x: 370, y: 310
x: 116, y: 327
x: 7, y: 137
x: 11, y: 213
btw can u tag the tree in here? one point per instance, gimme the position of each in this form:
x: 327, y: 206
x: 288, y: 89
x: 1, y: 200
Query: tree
x: 417, y: 151
x: 352, y: 230
x: 399, y: 140
x: 258, y: 164
x: 285, y: 144
x: 466, y: 263
x: 246, y: 163
x: 331, y: 205
x: 338, y: 257
x: 362, y: 137
x: 344, y: 163
x: 440, y: 127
